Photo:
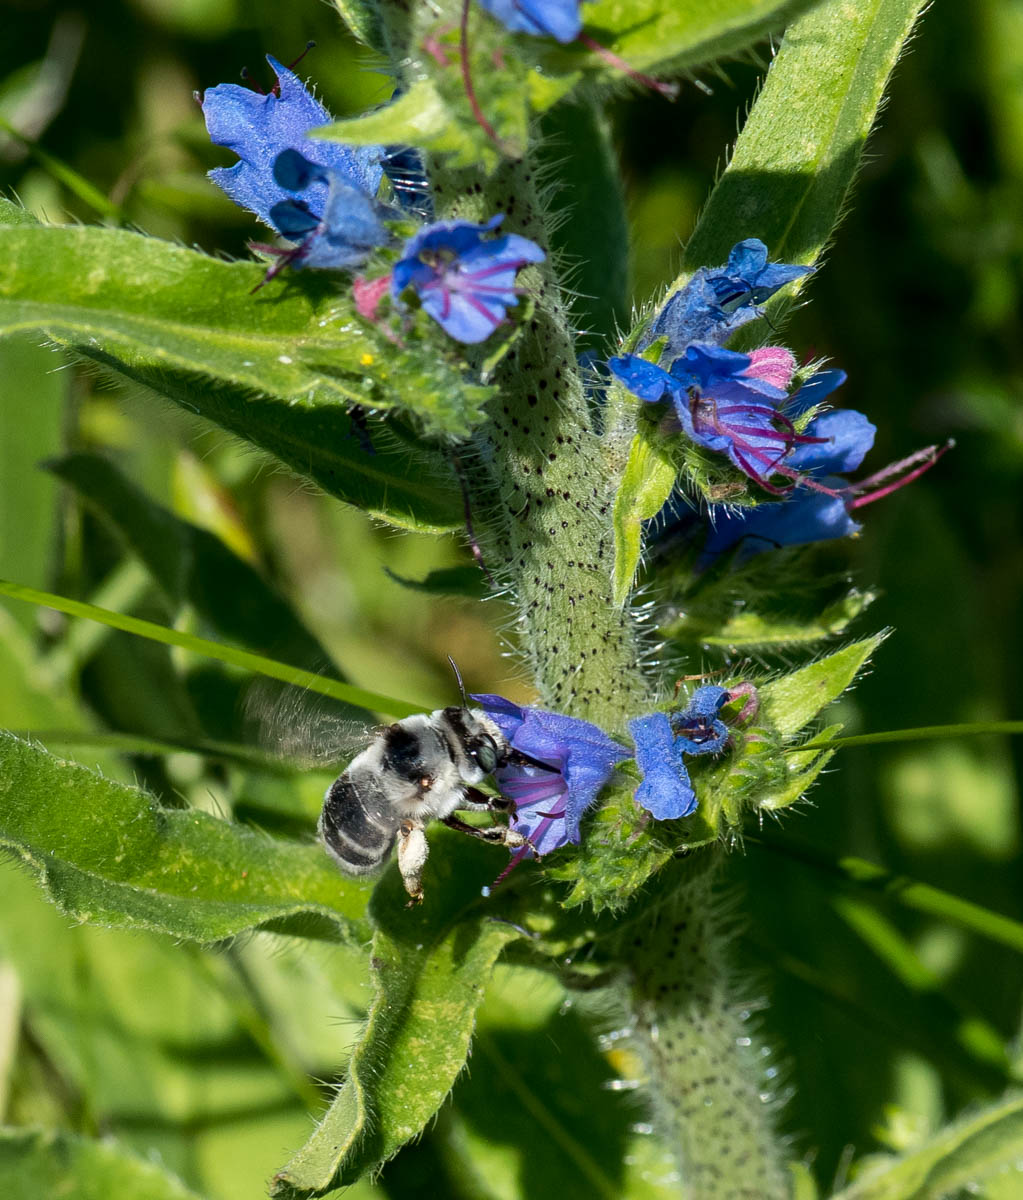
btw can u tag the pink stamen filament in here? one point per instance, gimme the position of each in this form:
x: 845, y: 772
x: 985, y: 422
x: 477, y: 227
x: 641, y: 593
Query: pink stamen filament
x: 666, y: 89
x: 934, y: 451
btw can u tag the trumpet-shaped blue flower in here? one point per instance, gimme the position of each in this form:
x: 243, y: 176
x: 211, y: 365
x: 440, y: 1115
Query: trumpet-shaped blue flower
x: 317, y: 193
x: 551, y: 803
x: 662, y: 739
x: 718, y: 300
x: 464, y: 281
x: 726, y: 402
x: 542, y: 18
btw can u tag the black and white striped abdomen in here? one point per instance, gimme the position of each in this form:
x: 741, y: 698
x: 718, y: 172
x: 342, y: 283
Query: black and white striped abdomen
x: 355, y: 825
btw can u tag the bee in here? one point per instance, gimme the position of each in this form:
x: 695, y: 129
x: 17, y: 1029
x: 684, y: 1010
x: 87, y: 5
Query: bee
x: 424, y: 767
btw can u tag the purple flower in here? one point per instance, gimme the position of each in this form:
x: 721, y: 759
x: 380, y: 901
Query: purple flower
x: 320, y: 194
x: 542, y: 18
x: 726, y: 402
x: 718, y: 300
x: 464, y: 282
x: 662, y: 739
x: 551, y: 803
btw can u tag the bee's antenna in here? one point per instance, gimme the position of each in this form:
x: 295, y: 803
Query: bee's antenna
x: 461, y: 685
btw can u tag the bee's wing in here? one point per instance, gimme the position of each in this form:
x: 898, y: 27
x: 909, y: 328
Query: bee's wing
x: 302, y: 726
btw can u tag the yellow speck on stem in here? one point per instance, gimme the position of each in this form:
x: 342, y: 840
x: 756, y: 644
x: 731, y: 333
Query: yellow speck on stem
x: 367, y: 360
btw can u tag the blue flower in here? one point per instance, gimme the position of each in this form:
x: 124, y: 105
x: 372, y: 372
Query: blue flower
x: 726, y: 402
x: 718, y: 300
x: 542, y: 18
x: 662, y: 739
x: 821, y: 505
x: 464, y: 282
x: 317, y: 193
x: 551, y: 803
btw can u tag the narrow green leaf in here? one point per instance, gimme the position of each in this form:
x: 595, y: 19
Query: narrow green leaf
x: 590, y: 236
x: 963, y: 1155
x: 77, y: 184
x: 404, y: 481
x: 363, y: 18
x: 430, y: 966
x: 684, y: 34
x: 192, y: 566
x: 794, y: 162
x: 646, y: 484
x: 106, y: 853
x: 792, y: 701
x: 32, y: 394
x: 928, y: 733
x: 906, y: 891
x: 334, y: 688
x: 299, y: 339
x: 446, y: 581
x: 49, y: 1163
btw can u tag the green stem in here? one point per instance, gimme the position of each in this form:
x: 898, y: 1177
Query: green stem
x: 701, y: 1058
x: 921, y: 733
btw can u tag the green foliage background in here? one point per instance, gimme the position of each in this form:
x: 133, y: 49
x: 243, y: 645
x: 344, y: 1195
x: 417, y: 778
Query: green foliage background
x: 885, y: 1021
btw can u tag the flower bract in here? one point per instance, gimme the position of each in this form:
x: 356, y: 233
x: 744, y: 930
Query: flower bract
x: 465, y: 281
x: 551, y: 803
x: 558, y: 19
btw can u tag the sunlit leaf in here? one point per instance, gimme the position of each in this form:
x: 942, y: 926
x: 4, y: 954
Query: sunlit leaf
x: 105, y: 852
x: 962, y: 1156
x: 646, y: 484
x: 430, y: 966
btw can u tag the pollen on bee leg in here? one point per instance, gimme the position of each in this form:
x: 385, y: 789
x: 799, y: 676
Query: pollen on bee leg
x: 413, y: 851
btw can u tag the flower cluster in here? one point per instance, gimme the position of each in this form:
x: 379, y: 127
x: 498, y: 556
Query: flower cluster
x: 322, y: 196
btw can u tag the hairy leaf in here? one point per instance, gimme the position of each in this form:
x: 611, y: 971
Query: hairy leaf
x: 105, y: 852
x: 794, y: 162
x: 792, y: 701
x: 962, y: 1156
x: 645, y: 487
x: 35, y: 1162
x: 430, y: 966
x: 363, y: 18
x: 299, y: 339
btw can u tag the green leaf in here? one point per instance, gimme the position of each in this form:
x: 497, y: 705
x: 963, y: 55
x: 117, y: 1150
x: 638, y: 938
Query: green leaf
x: 446, y: 581
x: 792, y: 167
x: 32, y: 395
x: 646, y: 484
x: 430, y: 966
x: 133, y: 300
x: 963, y: 1156
x: 669, y: 38
x: 791, y: 702
x: 192, y: 566
x: 363, y: 18
x: 588, y: 224
x: 106, y: 853
x: 35, y: 1162
x: 404, y: 481
x: 334, y: 688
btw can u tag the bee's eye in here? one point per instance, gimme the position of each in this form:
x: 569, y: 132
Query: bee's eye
x: 485, y: 753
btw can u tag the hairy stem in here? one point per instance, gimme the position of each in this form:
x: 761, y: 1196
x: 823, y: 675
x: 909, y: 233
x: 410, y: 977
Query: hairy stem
x: 542, y: 493
x: 702, y: 1062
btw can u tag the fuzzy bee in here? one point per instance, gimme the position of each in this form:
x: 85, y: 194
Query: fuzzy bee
x: 421, y: 768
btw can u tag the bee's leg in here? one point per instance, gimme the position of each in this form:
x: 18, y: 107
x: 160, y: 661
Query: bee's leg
x: 413, y: 850
x: 501, y: 835
x: 477, y: 801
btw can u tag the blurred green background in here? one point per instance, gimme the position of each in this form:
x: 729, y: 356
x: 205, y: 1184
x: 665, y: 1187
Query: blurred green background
x: 882, y: 1024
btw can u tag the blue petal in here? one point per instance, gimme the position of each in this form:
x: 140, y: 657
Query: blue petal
x: 815, y: 391
x: 850, y: 435
x: 694, y: 314
x: 665, y: 791
x: 804, y: 517
x: 259, y: 127
x: 542, y: 18
x: 699, y: 719
x: 644, y: 379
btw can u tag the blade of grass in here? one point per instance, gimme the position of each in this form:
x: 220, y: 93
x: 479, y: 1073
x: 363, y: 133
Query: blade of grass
x: 345, y: 692
x: 921, y: 733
